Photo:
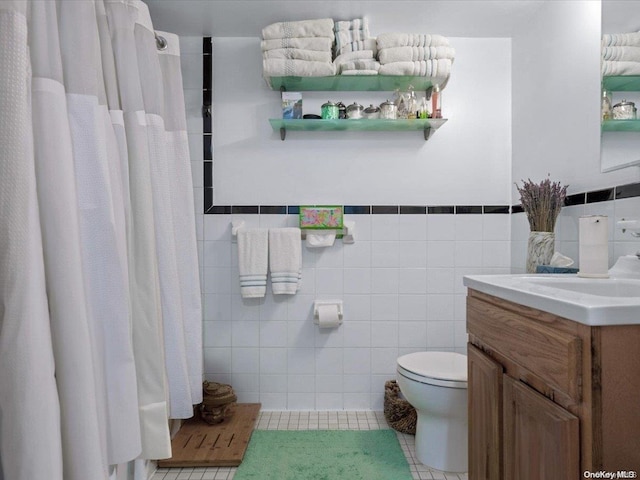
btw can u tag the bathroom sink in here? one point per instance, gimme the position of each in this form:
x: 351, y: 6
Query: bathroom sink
x: 591, y: 301
x: 604, y: 287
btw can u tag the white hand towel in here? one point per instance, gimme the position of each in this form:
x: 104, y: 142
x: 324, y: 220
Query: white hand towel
x: 368, y: 44
x: 320, y: 239
x: 355, y: 24
x: 298, y: 54
x: 360, y: 65
x: 388, y: 40
x: 620, y: 68
x: 285, y: 260
x: 359, y: 72
x: 253, y: 256
x: 621, y: 39
x: 413, y: 54
x: 623, y: 54
x: 276, y: 67
x: 320, y: 44
x: 322, y: 27
x: 426, y: 68
x: 351, y: 56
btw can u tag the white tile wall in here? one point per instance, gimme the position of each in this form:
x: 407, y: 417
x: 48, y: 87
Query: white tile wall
x: 399, y: 285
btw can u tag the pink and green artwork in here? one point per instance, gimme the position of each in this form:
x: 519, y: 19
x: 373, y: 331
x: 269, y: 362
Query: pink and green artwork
x: 321, y: 217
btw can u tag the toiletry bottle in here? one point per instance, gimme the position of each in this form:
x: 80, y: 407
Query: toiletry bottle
x: 436, y: 102
x: 606, y: 105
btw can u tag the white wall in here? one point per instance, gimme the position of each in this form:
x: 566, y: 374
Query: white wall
x: 467, y: 161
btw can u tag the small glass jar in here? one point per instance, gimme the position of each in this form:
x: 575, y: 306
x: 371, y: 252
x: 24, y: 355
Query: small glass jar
x: 624, y: 111
x: 354, y: 111
x: 388, y: 110
x: 371, y: 112
x: 329, y: 111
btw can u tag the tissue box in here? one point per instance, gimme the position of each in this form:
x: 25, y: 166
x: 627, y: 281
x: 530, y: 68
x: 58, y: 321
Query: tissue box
x: 291, y: 105
x: 550, y: 269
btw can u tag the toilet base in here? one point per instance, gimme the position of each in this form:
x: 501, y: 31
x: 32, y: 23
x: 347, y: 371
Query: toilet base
x: 441, y: 444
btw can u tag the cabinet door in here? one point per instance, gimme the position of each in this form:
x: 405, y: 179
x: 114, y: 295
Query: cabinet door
x: 541, y: 439
x: 485, y: 416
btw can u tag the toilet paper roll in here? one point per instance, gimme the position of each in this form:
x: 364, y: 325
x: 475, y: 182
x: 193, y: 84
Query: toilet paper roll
x: 328, y: 316
x: 594, y: 246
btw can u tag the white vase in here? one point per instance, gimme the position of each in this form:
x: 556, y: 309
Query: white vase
x: 539, y: 249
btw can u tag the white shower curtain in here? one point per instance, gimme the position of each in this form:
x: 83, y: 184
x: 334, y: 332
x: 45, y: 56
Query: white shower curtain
x: 100, y: 315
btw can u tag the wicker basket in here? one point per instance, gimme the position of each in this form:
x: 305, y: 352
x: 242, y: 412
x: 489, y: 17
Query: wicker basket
x: 217, y: 404
x: 399, y: 413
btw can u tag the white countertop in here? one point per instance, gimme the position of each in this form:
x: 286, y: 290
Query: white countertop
x: 591, y: 301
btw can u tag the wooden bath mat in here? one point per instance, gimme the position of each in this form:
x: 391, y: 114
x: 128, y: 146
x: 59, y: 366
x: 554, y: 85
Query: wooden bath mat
x: 198, y: 444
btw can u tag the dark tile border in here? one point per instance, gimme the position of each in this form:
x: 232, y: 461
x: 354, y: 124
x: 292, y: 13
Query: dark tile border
x: 246, y: 209
x: 384, y: 209
x: 468, y: 209
x: 273, y: 209
x: 618, y: 192
x: 627, y: 191
x: 412, y: 210
x: 601, y: 195
x: 494, y: 209
x: 441, y: 210
x: 357, y: 210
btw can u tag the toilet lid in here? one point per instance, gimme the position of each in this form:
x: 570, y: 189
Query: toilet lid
x: 439, y: 365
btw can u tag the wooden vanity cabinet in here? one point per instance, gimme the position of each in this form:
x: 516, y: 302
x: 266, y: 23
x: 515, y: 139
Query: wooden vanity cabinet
x: 549, y: 398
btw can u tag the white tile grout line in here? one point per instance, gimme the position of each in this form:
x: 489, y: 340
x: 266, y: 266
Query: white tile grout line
x: 315, y: 420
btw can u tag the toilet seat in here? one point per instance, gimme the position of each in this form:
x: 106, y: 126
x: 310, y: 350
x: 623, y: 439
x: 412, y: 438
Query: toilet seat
x: 443, y: 369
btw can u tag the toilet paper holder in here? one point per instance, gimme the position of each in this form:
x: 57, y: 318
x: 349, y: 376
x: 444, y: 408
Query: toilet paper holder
x: 316, y: 309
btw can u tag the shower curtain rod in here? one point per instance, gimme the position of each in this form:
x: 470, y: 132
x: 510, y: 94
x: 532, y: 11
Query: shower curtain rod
x: 161, y: 42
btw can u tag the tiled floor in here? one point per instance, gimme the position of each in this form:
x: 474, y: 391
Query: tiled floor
x: 365, y: 420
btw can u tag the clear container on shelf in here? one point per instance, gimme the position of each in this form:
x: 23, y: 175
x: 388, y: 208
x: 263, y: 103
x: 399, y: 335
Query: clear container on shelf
x: 606, y: 111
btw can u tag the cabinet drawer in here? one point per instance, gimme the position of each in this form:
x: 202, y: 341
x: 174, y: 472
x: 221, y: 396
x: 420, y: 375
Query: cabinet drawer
x: 553, y: 356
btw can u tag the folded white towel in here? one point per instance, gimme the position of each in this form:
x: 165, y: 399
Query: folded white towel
x: 621, y: 54
x: 413, y: 54
x: 368, y: 44
x: 621, y: 39
x: 299, y: 54
x: 620, y: 68
x: 360, y: 65
x: 351, y: 56
x: 388, y: 40
x: 320, y: 239
x: 344, y: 37
x: 277, y: 67
x: 426, y: 68
x: 321, y: 27
x: 355, y: 24
x: 322, y: 44
x: 285, y: 260
x: 253, y: 261
x: 359, y: 72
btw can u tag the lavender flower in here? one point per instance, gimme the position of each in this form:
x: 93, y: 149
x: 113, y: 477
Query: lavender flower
x: 542, y: 203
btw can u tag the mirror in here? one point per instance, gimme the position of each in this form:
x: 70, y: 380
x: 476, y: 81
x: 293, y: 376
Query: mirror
x: 620, y: 139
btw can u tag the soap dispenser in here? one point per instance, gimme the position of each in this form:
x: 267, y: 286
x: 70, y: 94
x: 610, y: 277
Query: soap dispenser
x: 593, y: 246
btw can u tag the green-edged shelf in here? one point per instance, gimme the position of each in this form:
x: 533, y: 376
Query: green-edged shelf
x: 622, y: 83
x: 428, y: 126
x: 621, y: 126
x: 352, y: 83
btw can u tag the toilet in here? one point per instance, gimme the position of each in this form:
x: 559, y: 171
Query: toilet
x: 435, y: 384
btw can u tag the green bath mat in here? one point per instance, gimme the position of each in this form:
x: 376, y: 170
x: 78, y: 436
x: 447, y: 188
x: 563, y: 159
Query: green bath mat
x: 323, y: 455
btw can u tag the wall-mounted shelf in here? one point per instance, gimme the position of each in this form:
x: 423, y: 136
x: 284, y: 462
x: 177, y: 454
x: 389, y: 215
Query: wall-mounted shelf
x: 428, y: 126
x: 622, y: 83
x: 621, y: 125
x: 352, y: 83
